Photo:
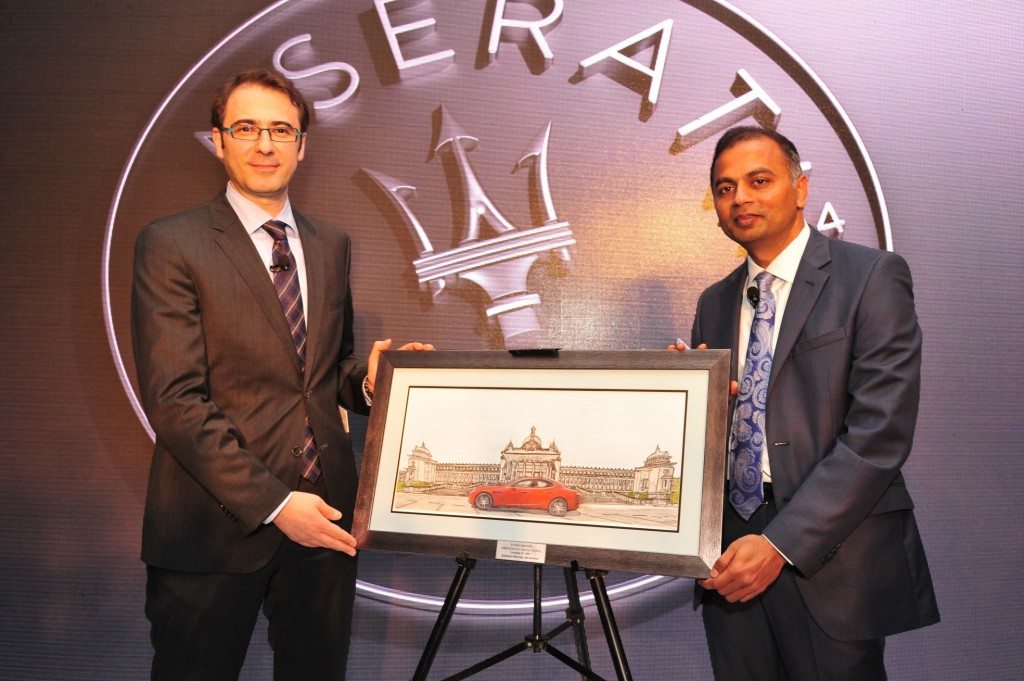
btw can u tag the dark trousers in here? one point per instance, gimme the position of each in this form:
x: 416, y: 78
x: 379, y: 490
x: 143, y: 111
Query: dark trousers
x: 201, y: 624
x: 773, y: 637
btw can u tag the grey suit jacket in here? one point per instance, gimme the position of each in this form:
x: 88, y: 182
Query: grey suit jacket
x: 221, y: 385
x: 842, y: 406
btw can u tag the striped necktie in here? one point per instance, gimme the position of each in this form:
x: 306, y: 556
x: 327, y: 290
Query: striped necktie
x: 286, y: 281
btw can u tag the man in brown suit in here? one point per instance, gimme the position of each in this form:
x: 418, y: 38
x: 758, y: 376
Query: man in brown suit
x: 242, y: 325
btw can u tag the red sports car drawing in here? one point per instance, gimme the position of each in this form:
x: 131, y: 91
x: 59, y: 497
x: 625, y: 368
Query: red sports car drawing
x: 554, y: 497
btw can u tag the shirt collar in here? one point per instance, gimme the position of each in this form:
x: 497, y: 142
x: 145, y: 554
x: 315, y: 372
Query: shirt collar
x: 786, y: 263
x: 253, y: 216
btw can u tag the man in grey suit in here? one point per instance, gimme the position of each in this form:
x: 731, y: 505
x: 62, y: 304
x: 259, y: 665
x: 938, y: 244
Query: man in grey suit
x: 821, y: 554
x: 242, y: 325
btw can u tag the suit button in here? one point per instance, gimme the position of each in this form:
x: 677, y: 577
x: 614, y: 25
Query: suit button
x: 308, y: 394
x: 323, y: 447
x: 296, y: 451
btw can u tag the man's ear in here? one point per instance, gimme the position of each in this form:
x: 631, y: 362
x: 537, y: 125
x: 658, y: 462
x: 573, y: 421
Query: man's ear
x: 302, y: 145
x: 218, y: 142
x: 801, y: 191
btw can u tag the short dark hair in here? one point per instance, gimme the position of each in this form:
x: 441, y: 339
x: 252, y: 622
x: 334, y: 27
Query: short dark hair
x: 264, y: 78
x: 744, y: 133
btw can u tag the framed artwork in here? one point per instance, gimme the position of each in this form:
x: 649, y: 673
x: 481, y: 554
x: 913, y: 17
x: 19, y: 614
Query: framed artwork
x: 614, y: 460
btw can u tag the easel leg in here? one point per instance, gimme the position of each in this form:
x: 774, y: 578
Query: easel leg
x: 574, y: 614
x: 611, y: 630
x: 465, y: 564
x: 538, y: 594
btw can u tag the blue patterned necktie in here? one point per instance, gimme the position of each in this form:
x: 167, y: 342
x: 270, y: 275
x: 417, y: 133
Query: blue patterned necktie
x: 745, y: 477
x: 286, y: 281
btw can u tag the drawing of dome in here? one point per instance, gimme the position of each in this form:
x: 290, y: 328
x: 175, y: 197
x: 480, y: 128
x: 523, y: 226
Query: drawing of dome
x: 658, y: 458
x: 532, y: 443
x: 421, y: 451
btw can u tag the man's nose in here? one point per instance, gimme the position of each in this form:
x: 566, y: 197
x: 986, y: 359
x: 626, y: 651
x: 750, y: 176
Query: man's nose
x: 264, y: 143
x: 740, y: 194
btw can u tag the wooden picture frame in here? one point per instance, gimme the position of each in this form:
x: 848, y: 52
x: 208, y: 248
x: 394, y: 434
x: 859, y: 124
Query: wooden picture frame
x: 613, y: 460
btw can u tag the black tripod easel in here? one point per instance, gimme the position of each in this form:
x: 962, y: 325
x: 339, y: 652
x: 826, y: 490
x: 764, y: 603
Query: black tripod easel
x: 536, y: 640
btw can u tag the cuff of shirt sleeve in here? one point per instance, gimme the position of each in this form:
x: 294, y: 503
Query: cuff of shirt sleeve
x: 270, y: 518
x: 367, y: 393
x: 786, y: 558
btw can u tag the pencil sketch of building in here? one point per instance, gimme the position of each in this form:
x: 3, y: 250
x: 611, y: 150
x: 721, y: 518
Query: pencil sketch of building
x: 530, y: 460
x: 651, y: 482
x: 423, y: 470
x: 655, y: 476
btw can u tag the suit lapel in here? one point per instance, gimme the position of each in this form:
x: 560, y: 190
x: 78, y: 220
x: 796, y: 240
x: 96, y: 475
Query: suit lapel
x: 731, y: 320
x: 725, y: 326
x: 238, y: 246
x: 806, y: 288
x: 313, y: 304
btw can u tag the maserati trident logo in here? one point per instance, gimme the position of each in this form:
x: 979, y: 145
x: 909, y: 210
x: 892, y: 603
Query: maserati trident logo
x: 499, y: 264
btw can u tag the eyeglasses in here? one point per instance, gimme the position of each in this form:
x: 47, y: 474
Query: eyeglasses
x: 251, y: 133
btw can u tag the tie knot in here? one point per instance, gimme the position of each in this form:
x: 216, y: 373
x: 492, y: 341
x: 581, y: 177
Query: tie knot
x: 764, y: 282
x: 275, y: 228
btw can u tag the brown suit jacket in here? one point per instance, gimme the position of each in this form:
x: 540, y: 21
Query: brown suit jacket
x: 842, y: 405
x: 222, y: 387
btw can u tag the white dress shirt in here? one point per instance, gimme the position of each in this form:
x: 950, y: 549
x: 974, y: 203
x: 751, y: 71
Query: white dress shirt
x: 783, y: 268
x: 252, y: 218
